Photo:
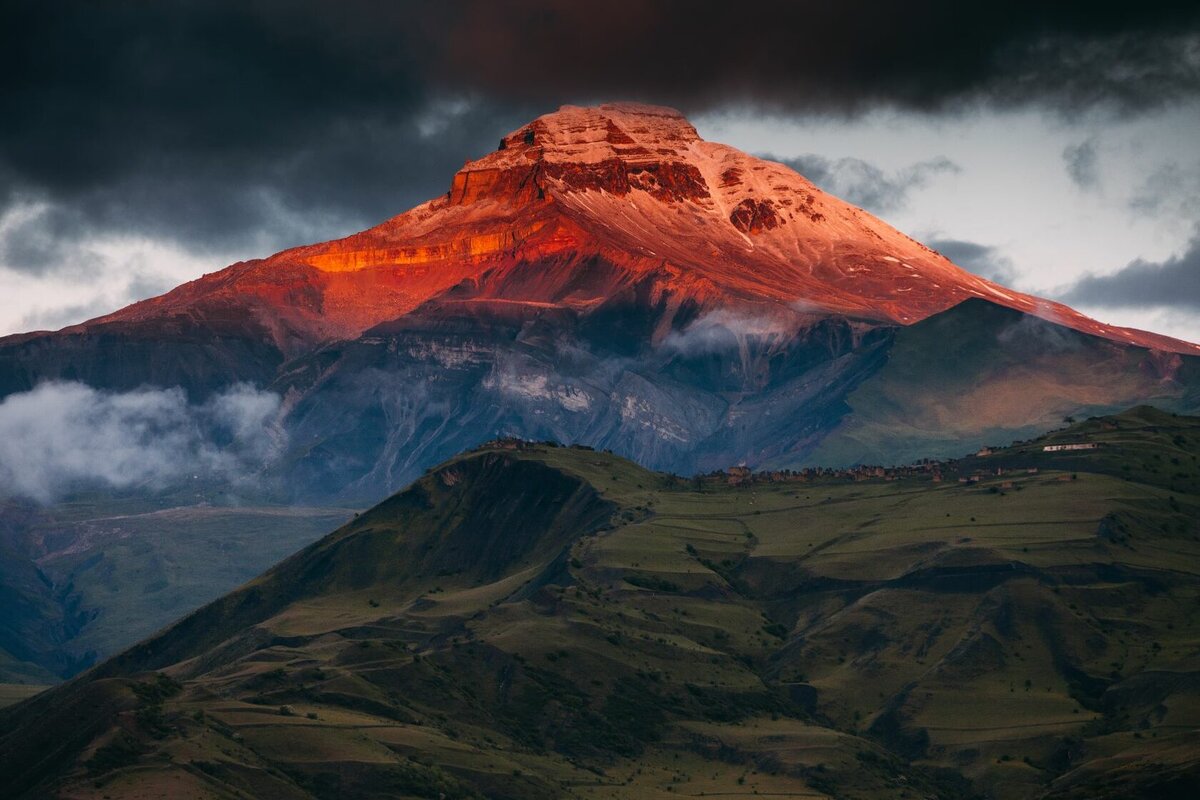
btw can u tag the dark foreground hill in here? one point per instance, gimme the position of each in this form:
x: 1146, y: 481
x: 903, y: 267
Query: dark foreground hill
x: 539, y: 622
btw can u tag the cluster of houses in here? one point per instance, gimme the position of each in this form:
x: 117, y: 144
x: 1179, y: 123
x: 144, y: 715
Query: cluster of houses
x: 934, y: 470
x: 979, y: 474
x: 925, y: 468
x: 742, y: 474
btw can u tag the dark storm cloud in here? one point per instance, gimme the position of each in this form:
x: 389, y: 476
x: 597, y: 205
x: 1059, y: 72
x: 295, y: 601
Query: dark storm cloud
x: 1081, y: 163
x: 227, y: 125
x: 222, y: 125
x: 342, y: 178
x: 842, y: 56
x: 38, y: 239
x: 984, y: 260
x: 1174, y: 282
x: 863, y: 183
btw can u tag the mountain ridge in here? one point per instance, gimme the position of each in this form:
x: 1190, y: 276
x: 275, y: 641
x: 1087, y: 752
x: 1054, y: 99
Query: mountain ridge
x: 607, y: 277
x: 620, y: 193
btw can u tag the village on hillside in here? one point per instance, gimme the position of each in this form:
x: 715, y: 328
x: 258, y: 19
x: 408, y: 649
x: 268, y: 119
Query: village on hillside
x: 968, y: 470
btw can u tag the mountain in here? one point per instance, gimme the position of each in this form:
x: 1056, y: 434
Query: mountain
x: 589, y: 209
x: 36, y: 620
x: 532, y: 621
x: 980, y: 374
x: 605, y: 276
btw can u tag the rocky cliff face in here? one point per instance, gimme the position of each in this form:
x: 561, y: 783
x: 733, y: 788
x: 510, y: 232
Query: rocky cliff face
x: 604, y: 276
x: 579, y: 206
x: 445, y: 379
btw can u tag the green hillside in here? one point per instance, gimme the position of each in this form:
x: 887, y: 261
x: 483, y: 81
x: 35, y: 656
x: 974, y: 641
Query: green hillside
x: 531, y: 621
x: 84, y: 579
x: 979, y: 373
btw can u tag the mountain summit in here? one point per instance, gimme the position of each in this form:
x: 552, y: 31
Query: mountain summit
x: 587, y: 205
x: 607, y: 277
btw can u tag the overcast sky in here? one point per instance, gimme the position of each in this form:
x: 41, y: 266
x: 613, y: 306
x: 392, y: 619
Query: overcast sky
x: 1054, y: 149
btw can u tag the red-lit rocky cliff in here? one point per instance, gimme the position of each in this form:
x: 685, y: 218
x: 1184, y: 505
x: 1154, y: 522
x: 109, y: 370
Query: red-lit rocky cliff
x: 583, y: 203
x: 605, y: 276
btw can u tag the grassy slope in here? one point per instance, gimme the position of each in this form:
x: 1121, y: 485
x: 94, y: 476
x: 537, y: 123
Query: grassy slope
x: 561, y: 623
x: 32, y: 620
x: 137, y: 573
x: 980, y: 373
x: 110, y: 571
x: 16, y: 692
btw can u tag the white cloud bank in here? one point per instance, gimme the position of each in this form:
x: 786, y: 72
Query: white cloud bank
x: 721, y: 330
x: 61, y: 436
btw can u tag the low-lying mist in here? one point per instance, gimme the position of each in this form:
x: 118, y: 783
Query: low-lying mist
x: 720, y: 331
x: 65, y: 435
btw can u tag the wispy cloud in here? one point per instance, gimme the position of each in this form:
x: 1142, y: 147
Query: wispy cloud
x: 721, y: 330
x: 62, y: 436
x: 1082, y: 164
x: 984, y: 260
x: 1174, y: 282
x: 866, y: 185
x: 1172, y: 191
